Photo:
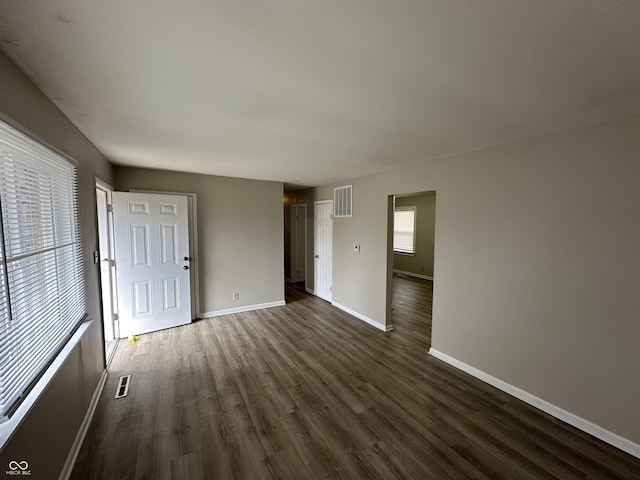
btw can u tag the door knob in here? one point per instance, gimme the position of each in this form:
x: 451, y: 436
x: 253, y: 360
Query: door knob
x: 185, y: 268
x: 187, y: 259
x: 317, y: 256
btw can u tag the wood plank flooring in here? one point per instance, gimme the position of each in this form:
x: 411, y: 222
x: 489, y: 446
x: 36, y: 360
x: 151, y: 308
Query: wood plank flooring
x: 306, y: 391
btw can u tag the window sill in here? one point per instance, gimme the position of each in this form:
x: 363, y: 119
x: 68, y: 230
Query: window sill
x: 8, y: 428
x: 408, y: 254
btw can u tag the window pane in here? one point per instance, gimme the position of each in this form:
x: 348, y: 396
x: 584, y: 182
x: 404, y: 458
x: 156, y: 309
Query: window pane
x: 41, y: 279
x: 403, y: 230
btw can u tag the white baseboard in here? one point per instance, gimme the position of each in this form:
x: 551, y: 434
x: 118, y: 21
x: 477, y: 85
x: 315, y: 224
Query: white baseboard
x: 309, y: 290
x: 411, y: 274
x: 364, y: 318
x: 246, y: 308
x: 84, y: 427
x: 597, y: 431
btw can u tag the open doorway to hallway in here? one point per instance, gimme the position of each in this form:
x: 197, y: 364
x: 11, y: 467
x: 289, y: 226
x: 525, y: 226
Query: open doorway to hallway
x: 298, y: 243
x: 411, y: 237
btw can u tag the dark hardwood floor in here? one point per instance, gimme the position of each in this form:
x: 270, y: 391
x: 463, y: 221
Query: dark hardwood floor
x: 306, y: 391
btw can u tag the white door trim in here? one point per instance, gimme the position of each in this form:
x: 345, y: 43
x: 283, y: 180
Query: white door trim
x: 326, y: 296
x: 102, y: 185
x: 193, y: 244
x: 110, y: 295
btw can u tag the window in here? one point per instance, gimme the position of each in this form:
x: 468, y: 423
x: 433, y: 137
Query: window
x: 41, y: 279
x: 404, y: 230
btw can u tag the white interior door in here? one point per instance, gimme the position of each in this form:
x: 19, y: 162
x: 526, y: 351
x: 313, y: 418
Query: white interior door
x: 323, y: 249
x: 298, y: 242
x: 152, y: 261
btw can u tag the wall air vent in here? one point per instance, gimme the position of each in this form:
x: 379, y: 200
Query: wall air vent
x: 342, y: 201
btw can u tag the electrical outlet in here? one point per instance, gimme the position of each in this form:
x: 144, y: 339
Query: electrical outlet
x: 236, y: 295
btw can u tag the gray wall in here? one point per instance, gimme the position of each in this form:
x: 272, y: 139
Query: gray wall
x: 421, y: 262
x: 537, y: 264
x: 46, y: 435
x: 240, y: 234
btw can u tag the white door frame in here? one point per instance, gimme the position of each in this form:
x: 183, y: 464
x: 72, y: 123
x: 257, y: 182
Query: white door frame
x: 294, y: 243
x: 192, y: 199
x: 108, y: 287
x: 329, y: 297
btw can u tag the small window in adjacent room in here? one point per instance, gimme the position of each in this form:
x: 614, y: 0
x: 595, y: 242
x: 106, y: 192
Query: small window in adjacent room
x: 404, y: 230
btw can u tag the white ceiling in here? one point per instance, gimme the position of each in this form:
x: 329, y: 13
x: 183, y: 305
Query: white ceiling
x: 316, y: 92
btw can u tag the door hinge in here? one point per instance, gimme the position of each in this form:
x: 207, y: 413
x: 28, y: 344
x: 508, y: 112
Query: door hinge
x: 116, y: 317
x: 109, y: 208
x: 112, y: 263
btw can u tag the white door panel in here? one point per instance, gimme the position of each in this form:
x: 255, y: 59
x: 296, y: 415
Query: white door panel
x: 323, y: 249
x: 152, y: 241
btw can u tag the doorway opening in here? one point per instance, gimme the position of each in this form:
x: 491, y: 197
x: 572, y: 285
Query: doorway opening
x: 107, y: 268
x: 410, y: 275
x: 192, y: 217
x: 298, y: 242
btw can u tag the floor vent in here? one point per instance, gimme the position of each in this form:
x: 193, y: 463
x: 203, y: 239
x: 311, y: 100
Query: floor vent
x: 123, y: 386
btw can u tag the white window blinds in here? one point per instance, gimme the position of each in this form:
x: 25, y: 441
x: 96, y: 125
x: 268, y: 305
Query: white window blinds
x: 404, y: 230
x: 41, y: 284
